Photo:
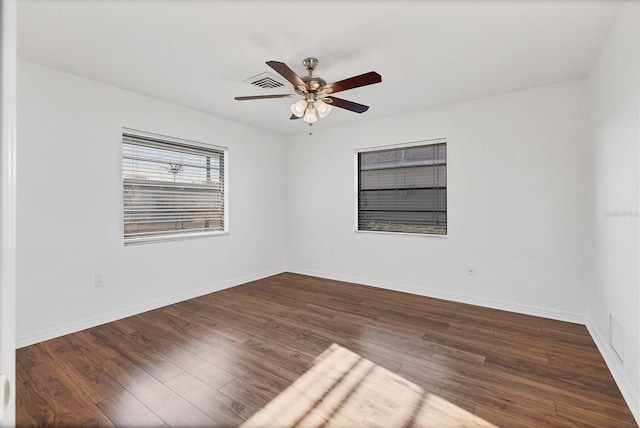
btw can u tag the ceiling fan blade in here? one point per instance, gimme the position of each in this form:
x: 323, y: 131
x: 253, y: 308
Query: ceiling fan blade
x: 284, y: 71
x: 347, y: 105
x: 353, y: 82
x: 294, y: 117
x: 264, y: 97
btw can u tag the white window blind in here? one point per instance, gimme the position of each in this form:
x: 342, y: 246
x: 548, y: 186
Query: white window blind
x: 171, y: 188
x: 403, y: 189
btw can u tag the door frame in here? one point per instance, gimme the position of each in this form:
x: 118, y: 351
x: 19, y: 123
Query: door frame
x: 8, y: 60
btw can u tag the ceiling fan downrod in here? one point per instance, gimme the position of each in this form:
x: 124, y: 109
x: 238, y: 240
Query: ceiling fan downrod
x: 312, y: 82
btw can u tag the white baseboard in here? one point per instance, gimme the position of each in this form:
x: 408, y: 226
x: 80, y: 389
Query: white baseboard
x: 445, y: 295
x: 61, y: 330
x: 616, y: 369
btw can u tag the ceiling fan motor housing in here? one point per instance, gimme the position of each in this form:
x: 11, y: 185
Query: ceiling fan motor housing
x: 313, y: 83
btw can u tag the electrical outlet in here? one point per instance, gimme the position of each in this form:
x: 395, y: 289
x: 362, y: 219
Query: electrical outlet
x: 99, y: 280
x: 471, y: 271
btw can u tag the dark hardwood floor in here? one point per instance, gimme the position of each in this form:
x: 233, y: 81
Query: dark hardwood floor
x: 292, y: 350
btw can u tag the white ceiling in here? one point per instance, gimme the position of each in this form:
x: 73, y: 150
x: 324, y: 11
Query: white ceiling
x: 198, y: 53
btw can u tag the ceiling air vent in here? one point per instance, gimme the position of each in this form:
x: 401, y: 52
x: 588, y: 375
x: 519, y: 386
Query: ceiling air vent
x: 265, y: 81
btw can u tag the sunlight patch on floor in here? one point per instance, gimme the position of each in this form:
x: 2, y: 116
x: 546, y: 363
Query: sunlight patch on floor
x: 344, y: 389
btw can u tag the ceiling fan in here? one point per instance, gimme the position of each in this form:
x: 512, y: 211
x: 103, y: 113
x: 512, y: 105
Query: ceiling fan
x: 316, y: 92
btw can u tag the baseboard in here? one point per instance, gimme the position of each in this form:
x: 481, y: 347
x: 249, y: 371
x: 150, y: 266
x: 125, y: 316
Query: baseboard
x: 61, y: 330
x: 616, y: 369
x: 456, y: 297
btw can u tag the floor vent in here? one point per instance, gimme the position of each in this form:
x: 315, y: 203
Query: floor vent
x: 265, y: 81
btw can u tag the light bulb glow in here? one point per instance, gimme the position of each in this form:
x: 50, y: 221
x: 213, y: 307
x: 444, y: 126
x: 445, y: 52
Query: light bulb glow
x: 298, y: 108
x: 310, y: 115
x: 323, y: 108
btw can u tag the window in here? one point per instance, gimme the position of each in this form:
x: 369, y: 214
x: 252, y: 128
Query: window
x: 403, y: 189
x: 172, y: 188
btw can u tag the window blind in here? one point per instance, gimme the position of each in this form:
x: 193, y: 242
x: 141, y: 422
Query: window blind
x: 171, y: 187
x: 403, y: 189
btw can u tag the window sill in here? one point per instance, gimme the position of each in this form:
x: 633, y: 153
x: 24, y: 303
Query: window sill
x: 167, y: 238
x: 381, y: 232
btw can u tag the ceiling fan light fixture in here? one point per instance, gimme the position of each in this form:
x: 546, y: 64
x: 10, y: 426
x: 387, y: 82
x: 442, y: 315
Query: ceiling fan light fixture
x: 310, y: 115
x: 298, y: 108
x: 314, y: 91
x: 323, y: 108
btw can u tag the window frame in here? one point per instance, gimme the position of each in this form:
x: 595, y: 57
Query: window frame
x: 356, y: 225
x: 159, y: 138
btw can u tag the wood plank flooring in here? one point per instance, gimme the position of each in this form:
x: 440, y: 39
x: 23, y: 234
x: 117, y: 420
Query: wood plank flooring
x: 293, y: 350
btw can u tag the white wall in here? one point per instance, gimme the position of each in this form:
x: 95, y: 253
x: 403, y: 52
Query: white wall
x: 69, y: 208
x: 614, y: 94
x: 517, y: 198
